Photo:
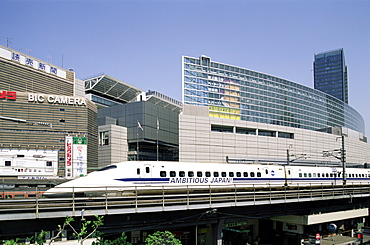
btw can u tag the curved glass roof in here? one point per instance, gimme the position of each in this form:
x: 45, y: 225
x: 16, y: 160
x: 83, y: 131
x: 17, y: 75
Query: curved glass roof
x: 238, y: 93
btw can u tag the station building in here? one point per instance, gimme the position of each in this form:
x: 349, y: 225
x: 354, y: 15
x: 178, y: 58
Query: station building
x: 48, y: 127
x: 236, y: 114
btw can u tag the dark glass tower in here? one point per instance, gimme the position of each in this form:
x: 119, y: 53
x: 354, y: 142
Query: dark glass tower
x: 330, y: 74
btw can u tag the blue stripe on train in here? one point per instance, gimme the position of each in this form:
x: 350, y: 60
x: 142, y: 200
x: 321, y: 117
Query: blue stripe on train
x: 240, y: 180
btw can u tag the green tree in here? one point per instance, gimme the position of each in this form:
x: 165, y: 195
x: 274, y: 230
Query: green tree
x: 162, y: 238
x: 122, y: 240
x: 88, y: 228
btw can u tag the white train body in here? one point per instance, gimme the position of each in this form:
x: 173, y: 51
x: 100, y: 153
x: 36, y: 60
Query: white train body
x: 128, y: 176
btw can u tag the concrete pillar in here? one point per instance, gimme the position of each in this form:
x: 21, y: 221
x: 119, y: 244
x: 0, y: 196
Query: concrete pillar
x: 217, y: 232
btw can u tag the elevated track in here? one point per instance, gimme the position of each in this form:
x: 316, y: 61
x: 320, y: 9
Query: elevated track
x: 163, y: 200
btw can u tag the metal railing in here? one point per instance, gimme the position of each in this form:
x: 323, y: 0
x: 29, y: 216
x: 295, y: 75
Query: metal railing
x: 141, y: 200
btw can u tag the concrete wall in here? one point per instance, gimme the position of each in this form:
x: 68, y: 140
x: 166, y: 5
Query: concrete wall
x: 199, y: 144
x: 117, y: 149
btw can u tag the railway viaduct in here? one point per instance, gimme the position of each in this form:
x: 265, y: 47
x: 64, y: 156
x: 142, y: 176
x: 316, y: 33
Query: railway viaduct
x: 191, y: 214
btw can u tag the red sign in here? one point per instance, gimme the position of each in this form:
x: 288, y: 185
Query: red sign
x: 10, y: 95
x: 317, y: 236
x: 69, y: 155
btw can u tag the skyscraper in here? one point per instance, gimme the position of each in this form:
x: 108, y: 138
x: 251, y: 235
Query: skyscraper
x: 330, y: 74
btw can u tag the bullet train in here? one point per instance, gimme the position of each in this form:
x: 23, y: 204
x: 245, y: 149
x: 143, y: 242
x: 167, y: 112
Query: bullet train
x: 125, y: 177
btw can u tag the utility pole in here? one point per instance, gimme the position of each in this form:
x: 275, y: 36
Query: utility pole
x: 343, y: 159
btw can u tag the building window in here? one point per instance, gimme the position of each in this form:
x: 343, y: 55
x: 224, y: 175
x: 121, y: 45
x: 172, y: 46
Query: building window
x: 8, y: 163
x: 266, y: 133
x: 245, y: 131
x: 104, y: 138
x: 286, y: 135
x: 222, y: 128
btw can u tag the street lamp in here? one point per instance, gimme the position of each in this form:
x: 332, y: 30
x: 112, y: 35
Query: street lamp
x: 196, y: 225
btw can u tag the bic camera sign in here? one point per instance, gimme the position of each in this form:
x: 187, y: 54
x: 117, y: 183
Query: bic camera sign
x: 56, y: 99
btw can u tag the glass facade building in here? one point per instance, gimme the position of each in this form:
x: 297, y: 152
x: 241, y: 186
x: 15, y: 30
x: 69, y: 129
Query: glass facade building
x: 237, y: 93
x: 330, y: 74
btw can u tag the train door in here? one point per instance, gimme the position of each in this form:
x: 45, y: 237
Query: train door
x: 266, y: 173
x: 288, y: 176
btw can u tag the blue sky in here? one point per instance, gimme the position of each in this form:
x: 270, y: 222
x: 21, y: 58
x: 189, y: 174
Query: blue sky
x: 141, y: 42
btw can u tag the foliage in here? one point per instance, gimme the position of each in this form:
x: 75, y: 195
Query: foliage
x: 40, y: 238
x: 122, y: 240
x: 12, y: 242
x: 88, y: 229
x: 162, y: 238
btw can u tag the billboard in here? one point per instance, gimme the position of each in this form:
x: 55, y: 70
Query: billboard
x: 29, y: 163
x: 76, y: 156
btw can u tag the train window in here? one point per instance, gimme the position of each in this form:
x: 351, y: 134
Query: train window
x: 108, y: 167
x: 252, y: 174
x: 8, y: 163
x: 208, y: 174
x: 331, y: 175
x: 190, y: 174
x: 318, y: 175
x: 259, y: 174
x: 223, y: 174
x: 231, y: 174
x: 199, y: 174
x: 305, y: 175
x: 215, y: 174
x: 309, y: 175
x: 238, y: 174
x: 147, y: 170
x: 289, y: 172
x: 138, y: 171
x: 182, y: 174
x: 163, y: 173
x: 49, y: 163
x: 172, y: 174
x: 245, y: 174
x: 356, y: 175
x: 266, y: 171
x: 314, y: 175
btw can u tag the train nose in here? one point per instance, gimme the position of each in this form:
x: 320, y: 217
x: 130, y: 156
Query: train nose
x: 57, y: 193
